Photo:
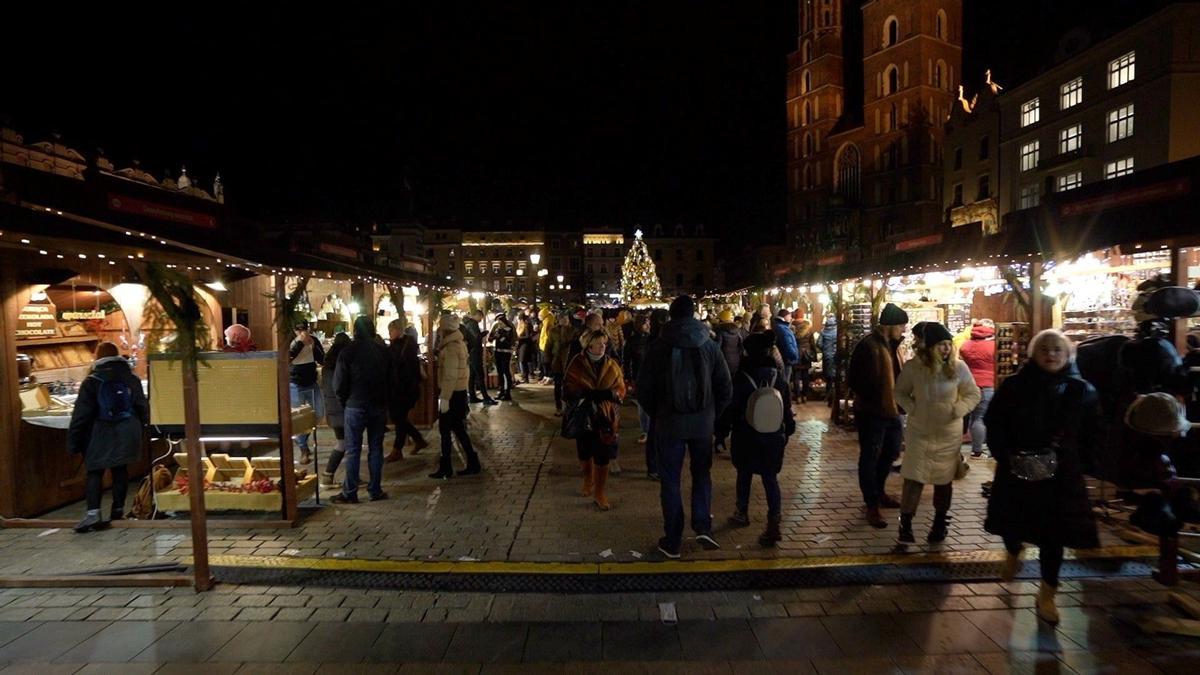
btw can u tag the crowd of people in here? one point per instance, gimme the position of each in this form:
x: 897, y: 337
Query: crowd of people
x: 701, y: 387
x: 1039, y: 426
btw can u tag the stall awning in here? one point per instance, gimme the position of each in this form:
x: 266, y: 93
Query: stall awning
x: 1156, y: 206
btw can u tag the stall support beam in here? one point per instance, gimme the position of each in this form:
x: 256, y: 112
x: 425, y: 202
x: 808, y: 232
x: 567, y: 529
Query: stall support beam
x: 198, y: 516
x: 1035, y: 297
x: 10, y: 400
x: 1179, y: 327
x: 283, y: 338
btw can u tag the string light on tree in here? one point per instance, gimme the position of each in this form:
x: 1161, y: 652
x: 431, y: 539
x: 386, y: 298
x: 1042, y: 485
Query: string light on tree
x: 639, y: 280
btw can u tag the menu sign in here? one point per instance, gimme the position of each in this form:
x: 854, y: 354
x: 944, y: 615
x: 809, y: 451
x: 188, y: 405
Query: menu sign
x: 83, y: 316
x: 37, y: 321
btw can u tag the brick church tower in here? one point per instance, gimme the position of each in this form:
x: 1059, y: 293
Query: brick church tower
x: 868, y: 90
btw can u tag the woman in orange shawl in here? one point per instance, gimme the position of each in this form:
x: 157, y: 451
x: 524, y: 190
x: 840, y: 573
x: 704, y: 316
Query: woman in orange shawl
x: 595, y: 377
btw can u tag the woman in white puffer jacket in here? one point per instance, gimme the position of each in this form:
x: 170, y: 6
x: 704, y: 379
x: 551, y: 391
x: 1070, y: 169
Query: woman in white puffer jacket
x: 937, y: 390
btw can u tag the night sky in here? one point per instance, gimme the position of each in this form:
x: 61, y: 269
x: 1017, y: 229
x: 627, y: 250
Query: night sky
x: 523, y: 114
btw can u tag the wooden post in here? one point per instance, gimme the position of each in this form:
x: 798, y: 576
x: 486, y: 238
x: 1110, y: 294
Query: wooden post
x: 199, y: 516
x: 10, y: 402
x: 1035, y: 297
x: 1179, y: 327
x: 287, y: 478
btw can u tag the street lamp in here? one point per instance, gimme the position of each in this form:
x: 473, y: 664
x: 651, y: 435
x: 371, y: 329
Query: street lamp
x: 534, y: 259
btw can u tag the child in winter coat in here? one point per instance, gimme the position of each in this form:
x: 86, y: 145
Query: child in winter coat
x: 754, y: 452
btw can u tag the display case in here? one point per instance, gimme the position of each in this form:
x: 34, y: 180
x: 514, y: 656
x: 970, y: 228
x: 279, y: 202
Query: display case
x: 1012, y: 348
x: 1082, y: 325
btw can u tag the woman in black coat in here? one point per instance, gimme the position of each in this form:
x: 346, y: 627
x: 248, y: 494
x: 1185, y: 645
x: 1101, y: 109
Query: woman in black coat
x: 106, y: 428
x: 334, y: 414
x: 754, y: 452
x: 503, y: 337
x: 1046, y: 407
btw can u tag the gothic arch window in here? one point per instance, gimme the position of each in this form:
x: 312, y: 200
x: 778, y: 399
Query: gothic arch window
x: 939, y: 24
x: 847, y: 172
x: 807, y: 183
x: 827, y: 18
x: 806, y: 52
x: 807, y: 113
x: 891, y: 79
x: 806, y: 82
x: 891, y: 31
x: 940, y: 79
x: 809, y: 145
x: 892, y: 119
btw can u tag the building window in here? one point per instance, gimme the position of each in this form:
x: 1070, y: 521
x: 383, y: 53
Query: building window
x: 574, y: 264
x: 1121, y: 167
x: 1031, y: 112
x: 1030, y: 196
x: 469, y: 268
x: 939, y: 24
x: 891, y: 80
x: 984, y: 150
x: 699, y: 255
x: 508, y: 268
x: 985, y: 187
x: 892, y: 118
x: 807, y: 117
x: 1120, y: 123
x: 810, y: 145
x: 603, y: 268
x: 806, y: 52
x: 658, y: 254
x: 496, y: 284
x: 891, y: 31
x: 1069, y: 139
x: 1029, y: 156
x: 806, y: 82
x: 848, y: 172
x: 1120, y: 70
x: 958, y: 195
x: 508, y: 285
x: 957, y: 159
x: 1070, y: 94
x: 679, y: 254
x: 591, y: 269
x: 937, y: 75
x: 1070, y: 181
x: 521, y: 285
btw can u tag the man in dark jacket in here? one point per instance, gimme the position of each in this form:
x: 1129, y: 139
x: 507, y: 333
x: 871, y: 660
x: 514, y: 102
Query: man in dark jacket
x: 683, y: 386
x: 404, y: 387
x: 785, y: 341
x: 729, y: 338
x: 473, y: 333
x: 106, y: 428
x: 874, y: 367
x: 304, y: 355
x: 361, y: 381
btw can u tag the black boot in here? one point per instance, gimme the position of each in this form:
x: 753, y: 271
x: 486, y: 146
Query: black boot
x: 771, y: 535
x: 444, y: 471
x: 937, y: 533
x: 906, y: 532
x: 472, y: 464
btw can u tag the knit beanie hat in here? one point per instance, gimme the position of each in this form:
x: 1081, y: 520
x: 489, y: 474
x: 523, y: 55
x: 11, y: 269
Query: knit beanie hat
x: 725, y: 316
x: 934, y: 333
x: 892, y: 316
x: 918, y: 329
x: 449, y: 322
x: 1158, y: 414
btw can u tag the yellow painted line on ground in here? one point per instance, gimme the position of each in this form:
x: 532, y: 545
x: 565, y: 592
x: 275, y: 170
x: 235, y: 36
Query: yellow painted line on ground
x: 643, y: 568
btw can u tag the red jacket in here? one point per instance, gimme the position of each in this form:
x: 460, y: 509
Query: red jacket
x: 979, y: 353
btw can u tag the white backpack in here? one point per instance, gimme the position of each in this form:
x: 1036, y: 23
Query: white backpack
x: 764, y: 408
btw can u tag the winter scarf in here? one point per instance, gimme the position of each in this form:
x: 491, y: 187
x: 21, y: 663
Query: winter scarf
x: 582, y: 375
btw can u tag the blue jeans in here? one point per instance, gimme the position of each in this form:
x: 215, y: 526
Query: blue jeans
x: 374, y: 422
x: 879, y: 440
x: 312, y: 396
x: 670, y: 468
x: 978, y: 428
x: 770, y: 483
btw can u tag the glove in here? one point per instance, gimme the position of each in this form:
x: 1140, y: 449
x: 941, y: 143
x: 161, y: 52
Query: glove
x: 443, y: 406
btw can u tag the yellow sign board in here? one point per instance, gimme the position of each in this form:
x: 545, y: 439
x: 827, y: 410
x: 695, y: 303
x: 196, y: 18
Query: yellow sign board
x: 234, y: 389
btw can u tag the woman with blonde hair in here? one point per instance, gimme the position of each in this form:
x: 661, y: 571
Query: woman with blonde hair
x: 937, y: 391
x: 1042, y: 425
x: 595, y: 378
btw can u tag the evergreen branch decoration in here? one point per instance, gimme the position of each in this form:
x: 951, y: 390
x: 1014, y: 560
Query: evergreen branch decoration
x: 177, y: 303
x: 289, y: 310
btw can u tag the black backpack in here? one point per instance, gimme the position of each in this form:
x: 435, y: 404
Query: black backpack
x: 689, y: 381
x: 114, y: 399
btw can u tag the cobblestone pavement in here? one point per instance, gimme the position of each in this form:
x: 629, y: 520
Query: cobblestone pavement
x: 526, y: 507
x: 916, y: 628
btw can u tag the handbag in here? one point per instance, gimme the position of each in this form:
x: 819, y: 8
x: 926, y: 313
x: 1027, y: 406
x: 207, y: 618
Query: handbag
x: 961, y: 471
x: 1035, y: 466
x: 578, y: 419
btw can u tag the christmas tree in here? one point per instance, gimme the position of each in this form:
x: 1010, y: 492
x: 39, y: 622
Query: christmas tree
x: 639, y: 281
